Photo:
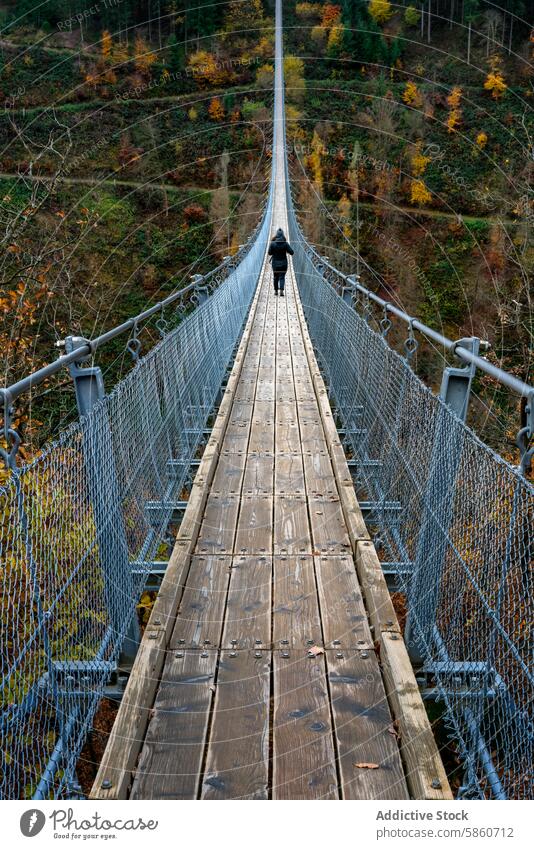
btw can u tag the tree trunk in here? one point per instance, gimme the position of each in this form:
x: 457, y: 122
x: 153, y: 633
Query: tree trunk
x: 469, y: 43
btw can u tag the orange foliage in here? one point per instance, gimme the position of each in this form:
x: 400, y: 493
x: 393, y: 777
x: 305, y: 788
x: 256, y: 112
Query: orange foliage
x: 331, y: 15
x: 495, y: 83
x: 144, y: 58
x: 216, y: 109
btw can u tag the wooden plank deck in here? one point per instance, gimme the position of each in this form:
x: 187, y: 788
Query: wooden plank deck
x: 241, y: 708
x: 272, y: 666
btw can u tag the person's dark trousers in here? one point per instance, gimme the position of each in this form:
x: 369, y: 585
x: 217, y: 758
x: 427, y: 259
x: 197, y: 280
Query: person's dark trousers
x: 279, y: 281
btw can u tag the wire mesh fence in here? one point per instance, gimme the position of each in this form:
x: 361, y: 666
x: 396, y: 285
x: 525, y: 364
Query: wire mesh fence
x: 78, y: 531
x: 456, y: 522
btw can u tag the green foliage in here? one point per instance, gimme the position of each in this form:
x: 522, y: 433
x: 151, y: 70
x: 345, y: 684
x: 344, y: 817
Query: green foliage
x: 116, y: 215
x: 412, y: 16
x: 250, y: 109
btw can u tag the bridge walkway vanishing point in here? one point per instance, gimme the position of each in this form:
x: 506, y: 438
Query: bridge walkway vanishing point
x: 257, y: 676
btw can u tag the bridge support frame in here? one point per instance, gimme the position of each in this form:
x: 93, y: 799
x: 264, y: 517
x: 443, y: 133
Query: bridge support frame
x: 89, y: 389
x: 440, y: 484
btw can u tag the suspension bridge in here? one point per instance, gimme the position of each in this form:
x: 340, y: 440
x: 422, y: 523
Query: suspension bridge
x: 320, y: 474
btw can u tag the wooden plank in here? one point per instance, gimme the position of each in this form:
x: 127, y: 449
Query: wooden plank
x: 171, y: 589
x: 263, y: 410
x: 287, y: 432
x: 238, y: 430
x: 258, y: 478
x: 329, y: 532
x: 425, y: 772
x: 318, y: 473
x: 377, y: 598
x: 126, y: 738
x: 248, y: 609
x: 266, y: 391
x: 311, y: 428
x: 200, y: 617
x: 262, y: 434
x: 363, y: 728
x: 296, y: 620
x: 237, y: 764
x: 229, y: 474
x: 303, y: 750
x: 217, y: 531
x: 289, y: 474
x: 171, y: 760
x: 343, y: 614
x: 291, y: 527
x: 254, y: 531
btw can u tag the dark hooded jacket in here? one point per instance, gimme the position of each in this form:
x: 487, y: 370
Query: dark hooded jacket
x: 278, y: 250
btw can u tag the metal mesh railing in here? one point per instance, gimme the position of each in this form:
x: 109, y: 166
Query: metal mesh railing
x: 80, y: 525
x: 453, y: 520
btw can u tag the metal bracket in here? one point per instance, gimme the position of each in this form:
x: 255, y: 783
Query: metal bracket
x: 456, y: 381
x: 348, y: 292
x: 411, y: 344
x: 88, y: 381
x: 12, y: 438
x: 201, y: 293
x: 525, y: 435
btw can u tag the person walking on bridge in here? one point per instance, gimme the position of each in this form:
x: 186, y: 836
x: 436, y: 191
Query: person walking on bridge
x: 278, y: 251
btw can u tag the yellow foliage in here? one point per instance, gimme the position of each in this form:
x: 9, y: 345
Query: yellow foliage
x: 305, y: 9
x: 380, y: 10
x: 107, y: 43
x: 495, y: 83
x: 193, y: 114
x: 120, y: 54
x: 314, y: 159
x: 411, y: 95
x: 335, y: 37
x: 454, y: 97
x: 293, y: 129
x: 344, y: 207
x: 265, y: 76
x: 419, y: 193
x: 453, y: 120
x: 205, y: 69
x: 144, y: 58
x: 264, y: 47
x: 419, y: 161
x: 216, y: 109
x: 241, y: 15
x: 482, y: 139
x: 318, y: 35
x: 294, y: 76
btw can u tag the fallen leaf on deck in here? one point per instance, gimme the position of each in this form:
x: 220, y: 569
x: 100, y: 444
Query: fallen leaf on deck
x: 315, y: 650
x: 367, y: 766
